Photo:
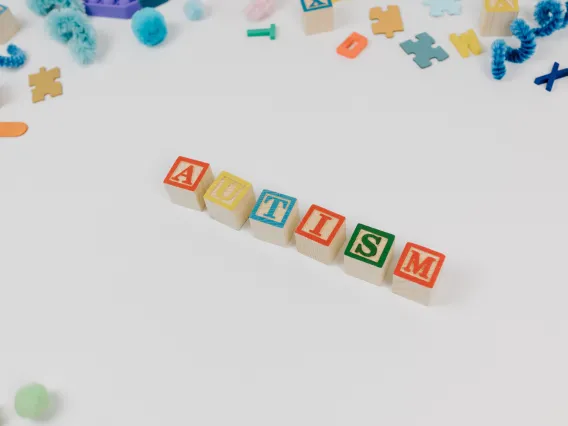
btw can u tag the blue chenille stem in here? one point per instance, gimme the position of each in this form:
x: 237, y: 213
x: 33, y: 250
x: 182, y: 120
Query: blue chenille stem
x: 550, y: 15
x: 72, y: 27
x: 16, y: 59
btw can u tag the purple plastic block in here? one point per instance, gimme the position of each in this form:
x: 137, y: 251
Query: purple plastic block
x: 121, y: 9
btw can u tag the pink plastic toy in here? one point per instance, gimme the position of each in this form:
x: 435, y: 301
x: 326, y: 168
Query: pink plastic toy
x: 259, y: 9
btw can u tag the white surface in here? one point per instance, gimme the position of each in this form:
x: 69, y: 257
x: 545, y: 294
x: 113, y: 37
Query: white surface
x: 139, y: 312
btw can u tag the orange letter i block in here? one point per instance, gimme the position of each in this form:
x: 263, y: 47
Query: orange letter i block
x: 416, y: 273
x: 321, y: 234
x: 187, y: 182
x: 352, y: 46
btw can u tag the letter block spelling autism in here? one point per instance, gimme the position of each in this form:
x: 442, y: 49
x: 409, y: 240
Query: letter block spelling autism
x: 187, y: 181
x: 230, y: 200
x: 368, y: 254
x: 416, y: 273
x: 321, y: 234
x: 317, y: 16
x: 274, y: 217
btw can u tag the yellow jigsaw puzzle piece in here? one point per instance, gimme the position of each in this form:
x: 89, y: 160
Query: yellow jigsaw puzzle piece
x: 44, y: 83
x: 389, y: 20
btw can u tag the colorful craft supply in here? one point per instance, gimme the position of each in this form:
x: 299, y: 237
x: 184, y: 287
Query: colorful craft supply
x: 423, y: 50
x: 440, y: 7
x: 264, y: 32
x: 149, y: 26
x: 550, y: 15
x: 549, y: 79
x: 71, y: 27
x: 119, y: 9
x: 12, y: 129
x: 259, y: 9
x: 194, y: 10
x: 32, y: 401
x: 16, y: 58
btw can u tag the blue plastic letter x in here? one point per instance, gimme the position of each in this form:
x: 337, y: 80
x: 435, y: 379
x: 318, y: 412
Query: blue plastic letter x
x: 550, y: 78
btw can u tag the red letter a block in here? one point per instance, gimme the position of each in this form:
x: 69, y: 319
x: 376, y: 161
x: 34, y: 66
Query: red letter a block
x: 187, y: 182
x: 416, y: 273
x: 321, y: 234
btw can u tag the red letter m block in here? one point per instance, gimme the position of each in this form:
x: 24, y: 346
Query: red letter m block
x: 419, y: 265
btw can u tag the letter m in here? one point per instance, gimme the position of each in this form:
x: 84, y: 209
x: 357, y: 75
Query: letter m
x: 417, y: 268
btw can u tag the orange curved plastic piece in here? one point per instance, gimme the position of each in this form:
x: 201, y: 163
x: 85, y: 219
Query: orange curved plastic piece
x: 352, y: 46
x: 12, y: 129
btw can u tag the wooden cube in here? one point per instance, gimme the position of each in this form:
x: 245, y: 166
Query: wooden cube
x: 230, y: 200
x: 368, y: 254
x: 187, y: 181
x: 416, y: 273
x: 9, y: 26
x: 274, y: 217
x: 321, y: 234
x: 497, y: 16
x: 318, y: 16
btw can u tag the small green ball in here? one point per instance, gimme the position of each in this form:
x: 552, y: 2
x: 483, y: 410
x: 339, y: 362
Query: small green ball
x: 32, y: 401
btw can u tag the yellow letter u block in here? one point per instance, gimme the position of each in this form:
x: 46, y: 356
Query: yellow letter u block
x: 230, y: 200
x: 466, y: 42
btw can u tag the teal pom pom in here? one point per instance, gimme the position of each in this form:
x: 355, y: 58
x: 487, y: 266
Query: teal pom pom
x: 149, y: 26
x: 32, y: 401
x: 194, y: 10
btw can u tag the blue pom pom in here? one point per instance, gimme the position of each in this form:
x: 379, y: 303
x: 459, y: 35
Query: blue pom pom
x: 149, y: 26
x: 15, y: 60
x: 72, y: 27
x: 194, y: 10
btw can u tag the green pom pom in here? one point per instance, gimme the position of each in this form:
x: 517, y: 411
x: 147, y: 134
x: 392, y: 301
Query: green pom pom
x: 32, y: 401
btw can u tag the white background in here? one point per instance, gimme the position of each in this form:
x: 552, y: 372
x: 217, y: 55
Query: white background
x: 135, y: 311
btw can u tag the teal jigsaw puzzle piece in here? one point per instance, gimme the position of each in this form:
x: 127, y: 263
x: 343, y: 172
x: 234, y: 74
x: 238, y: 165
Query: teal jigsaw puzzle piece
x: 438, y: 7
x: 423, y: 50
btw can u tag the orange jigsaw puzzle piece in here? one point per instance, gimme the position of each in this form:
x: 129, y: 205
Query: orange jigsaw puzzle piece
x: 389, y: 20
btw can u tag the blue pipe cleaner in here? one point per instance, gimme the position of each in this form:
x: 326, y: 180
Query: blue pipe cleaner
x: 15, y: 60
x: 43, y: 7
x: 73, y: 28
x: 550, y: 15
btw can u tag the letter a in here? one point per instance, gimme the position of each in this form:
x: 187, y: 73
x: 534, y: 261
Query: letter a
x: 185, y: 176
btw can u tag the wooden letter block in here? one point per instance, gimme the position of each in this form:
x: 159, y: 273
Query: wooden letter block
x: 416, y: 273
x: 496, y: 17
x: 321, y: 234
x: 187, y: 182
x: 230, y: 200
x: 274, y: 217
x: 8, y: 25
x: 368, y: 254
x: 317, y: 16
